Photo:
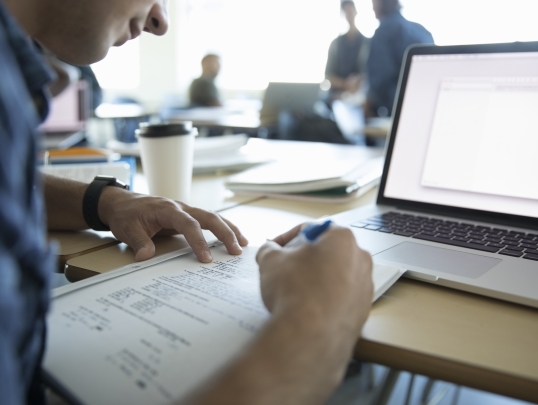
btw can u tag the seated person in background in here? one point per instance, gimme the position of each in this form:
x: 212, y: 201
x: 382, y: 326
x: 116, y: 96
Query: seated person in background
x: 389, y: 43
x: 348, y: 55
x: 203, y: 91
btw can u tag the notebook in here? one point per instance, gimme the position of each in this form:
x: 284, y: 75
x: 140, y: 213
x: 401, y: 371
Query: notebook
x: 337, y: 178
x: 458, y: 200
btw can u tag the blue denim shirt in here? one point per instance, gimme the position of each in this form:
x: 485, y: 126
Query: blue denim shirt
x: 387, y: 49
x: 26, y: 260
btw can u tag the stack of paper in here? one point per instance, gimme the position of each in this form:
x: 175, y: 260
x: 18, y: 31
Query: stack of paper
x: 83, y: 164
x: 336, y: 181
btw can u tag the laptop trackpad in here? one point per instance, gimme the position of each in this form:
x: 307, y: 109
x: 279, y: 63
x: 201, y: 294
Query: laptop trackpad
x: 439, y: 259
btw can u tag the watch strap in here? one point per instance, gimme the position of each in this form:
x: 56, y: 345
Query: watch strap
x: 90, y: 203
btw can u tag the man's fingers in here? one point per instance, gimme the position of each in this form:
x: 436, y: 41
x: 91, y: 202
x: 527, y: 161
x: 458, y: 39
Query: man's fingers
x: 141, y: 243
x: 266, y: 249
x: 243, y: 241
x: 285, y: 238
x: 190, y: 228
x: 220, y: 228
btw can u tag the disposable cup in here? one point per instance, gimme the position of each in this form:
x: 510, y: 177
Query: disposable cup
x: 166, y: 151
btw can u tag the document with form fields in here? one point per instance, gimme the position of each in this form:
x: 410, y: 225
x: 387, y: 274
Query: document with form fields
x: 151, y: 335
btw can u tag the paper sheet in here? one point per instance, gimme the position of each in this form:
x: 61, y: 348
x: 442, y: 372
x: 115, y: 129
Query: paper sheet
x: 153, y: 335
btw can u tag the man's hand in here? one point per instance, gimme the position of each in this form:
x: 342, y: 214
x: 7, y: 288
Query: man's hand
x: 136, y: 218
x: 320, y: 295
x: 330, y: 278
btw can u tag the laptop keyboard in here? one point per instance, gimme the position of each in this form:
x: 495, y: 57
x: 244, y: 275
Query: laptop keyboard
x: 483, y: 238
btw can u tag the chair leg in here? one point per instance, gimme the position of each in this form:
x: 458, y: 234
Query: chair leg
x: 427, y: 391
x: 437, y: 397
x: 384, y: 390
x: 410, y: 390
x: 456, y: 396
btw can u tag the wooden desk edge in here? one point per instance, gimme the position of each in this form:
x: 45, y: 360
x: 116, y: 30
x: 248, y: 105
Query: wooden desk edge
x: 63, y: 259
x: 448, y: 370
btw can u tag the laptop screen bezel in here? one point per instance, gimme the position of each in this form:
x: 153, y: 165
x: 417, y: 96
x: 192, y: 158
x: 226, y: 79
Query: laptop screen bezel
x: 471, y: 214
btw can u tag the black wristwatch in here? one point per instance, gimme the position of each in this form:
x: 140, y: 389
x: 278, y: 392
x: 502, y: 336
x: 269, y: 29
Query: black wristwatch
x: 90, y: 202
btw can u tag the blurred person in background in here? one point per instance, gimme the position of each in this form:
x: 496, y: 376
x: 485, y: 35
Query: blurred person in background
x: 389, y: 43
x: 203, y: 92
x: 348, y: 55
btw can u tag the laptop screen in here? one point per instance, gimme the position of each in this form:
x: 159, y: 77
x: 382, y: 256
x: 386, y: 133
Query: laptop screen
x: 467, y: 134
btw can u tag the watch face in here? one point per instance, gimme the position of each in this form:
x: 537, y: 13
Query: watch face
x: 111, y: 181
x: 106, y: 178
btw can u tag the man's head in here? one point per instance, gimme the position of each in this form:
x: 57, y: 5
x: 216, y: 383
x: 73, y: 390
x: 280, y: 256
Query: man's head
x: 385, y: 7
x: 210, y: 65
x: 349, y: 10
x: 82, y: 31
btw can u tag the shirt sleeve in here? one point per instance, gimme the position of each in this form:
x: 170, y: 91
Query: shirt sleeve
x: 331, y: 60
x: 11, y: 384
x: 381, y: 66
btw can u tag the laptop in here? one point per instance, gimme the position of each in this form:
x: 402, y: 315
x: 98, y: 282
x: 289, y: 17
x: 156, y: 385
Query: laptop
x: 293, y: 97
x: 458, y: 200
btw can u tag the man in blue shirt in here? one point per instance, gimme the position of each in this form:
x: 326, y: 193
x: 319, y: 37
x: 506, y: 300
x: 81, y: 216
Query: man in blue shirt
x: 389, y: 43
x: 315, y: 324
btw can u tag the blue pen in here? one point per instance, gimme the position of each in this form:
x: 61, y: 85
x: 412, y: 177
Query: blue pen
x: 310, y: 233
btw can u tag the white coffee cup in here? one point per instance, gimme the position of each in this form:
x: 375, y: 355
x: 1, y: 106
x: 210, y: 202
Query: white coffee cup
x: 167, y: 150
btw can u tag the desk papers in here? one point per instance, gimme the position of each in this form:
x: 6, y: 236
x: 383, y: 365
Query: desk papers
x: 153, y: 335
x: 310, y: 180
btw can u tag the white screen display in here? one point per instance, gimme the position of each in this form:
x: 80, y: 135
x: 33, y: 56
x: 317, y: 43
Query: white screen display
x: 467, y: 135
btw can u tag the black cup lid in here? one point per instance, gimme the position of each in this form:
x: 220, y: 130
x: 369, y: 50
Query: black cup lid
x: 164, y: 129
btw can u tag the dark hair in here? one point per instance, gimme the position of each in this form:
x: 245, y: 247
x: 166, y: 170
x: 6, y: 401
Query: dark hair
x: 346, y: 3
x: 209, y: 56
x: 388, y: 6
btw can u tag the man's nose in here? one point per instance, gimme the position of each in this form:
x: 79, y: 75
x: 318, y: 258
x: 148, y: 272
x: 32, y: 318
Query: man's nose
x: 157, y: 21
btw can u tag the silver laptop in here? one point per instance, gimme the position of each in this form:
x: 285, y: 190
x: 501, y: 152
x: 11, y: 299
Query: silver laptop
x: 288, y: 96
x: 458, y: 200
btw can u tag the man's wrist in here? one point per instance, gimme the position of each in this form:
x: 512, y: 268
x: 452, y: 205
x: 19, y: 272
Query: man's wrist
x: 317, y: 319
x: 92, y: 197
x: 110, y: 196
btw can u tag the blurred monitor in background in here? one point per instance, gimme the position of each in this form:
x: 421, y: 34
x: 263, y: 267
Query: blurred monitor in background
x: 293, y: 98
x: 348, y: 55
x: 69, y: 111
x: 389, y: 43
x: 76, y: 95
x: 203, y: 92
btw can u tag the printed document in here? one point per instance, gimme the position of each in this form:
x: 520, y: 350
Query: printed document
x: 153, y: 335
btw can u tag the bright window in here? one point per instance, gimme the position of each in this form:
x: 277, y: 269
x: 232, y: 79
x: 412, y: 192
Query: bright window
x: 287, y: 40
x: 261, y: 40
x: 121, y: 67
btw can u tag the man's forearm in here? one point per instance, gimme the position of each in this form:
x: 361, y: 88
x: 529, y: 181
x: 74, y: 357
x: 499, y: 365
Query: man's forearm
x: 63, y: 199
x: 296, y: 359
